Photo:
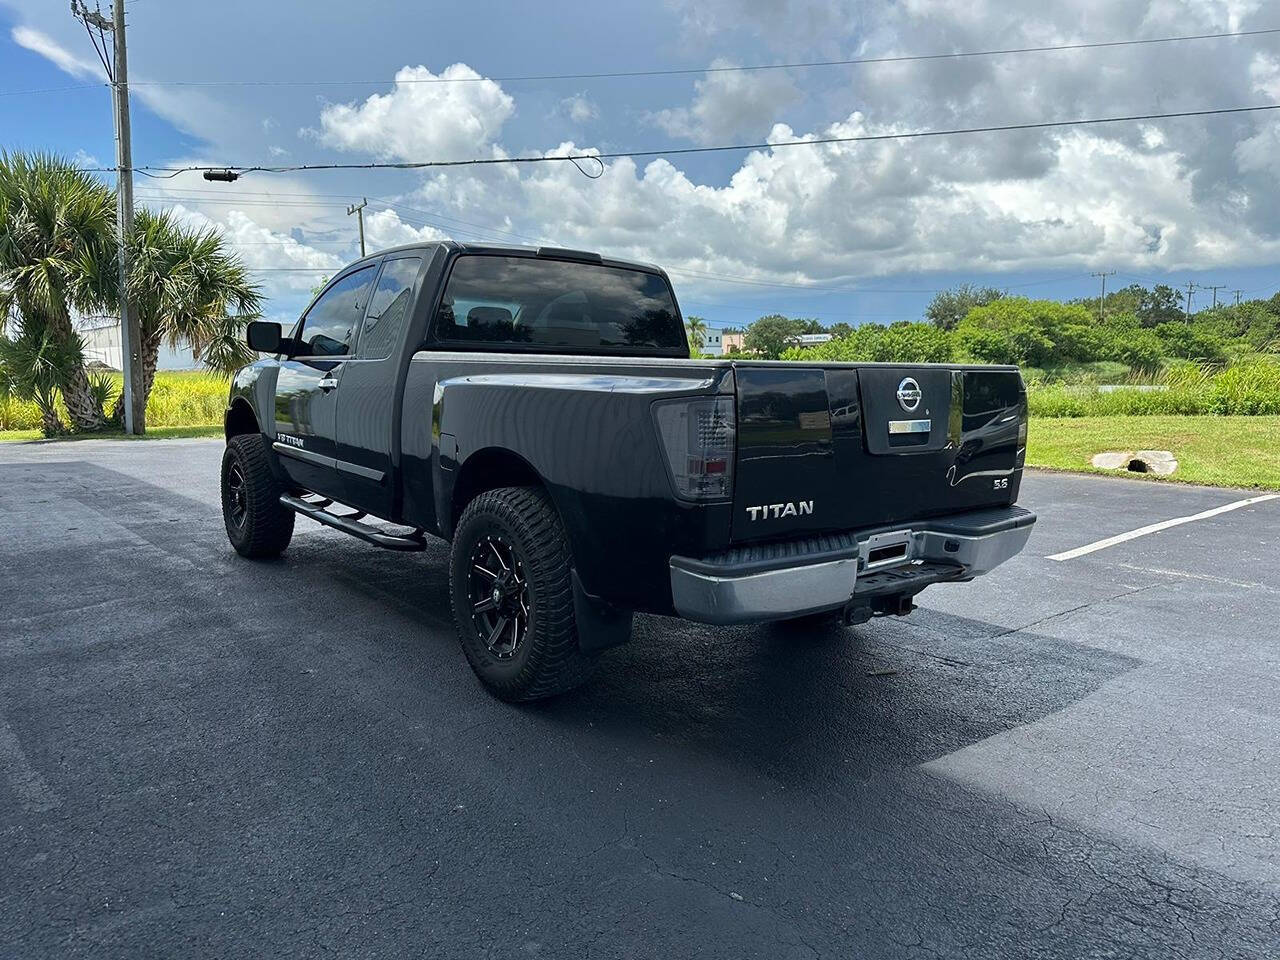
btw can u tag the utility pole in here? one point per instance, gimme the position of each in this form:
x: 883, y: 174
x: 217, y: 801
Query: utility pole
x: 1221, y: 286
x: 1103, y: 298
x: 358, y: 210
x: 117, y: 67
x: 1237, y: 293
x: 1186, y: 313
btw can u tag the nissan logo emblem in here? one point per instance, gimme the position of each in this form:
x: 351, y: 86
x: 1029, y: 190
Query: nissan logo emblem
x: 909, y: 394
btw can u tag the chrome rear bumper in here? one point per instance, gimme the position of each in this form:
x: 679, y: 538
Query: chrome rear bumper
x: 794, y: 578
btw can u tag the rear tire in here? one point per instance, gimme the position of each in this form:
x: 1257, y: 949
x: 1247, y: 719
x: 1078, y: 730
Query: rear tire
x: 258, y: 525
x: 512, y: 596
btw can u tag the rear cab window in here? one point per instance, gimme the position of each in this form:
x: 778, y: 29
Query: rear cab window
x: 558, y: 306
x: 388, y: 312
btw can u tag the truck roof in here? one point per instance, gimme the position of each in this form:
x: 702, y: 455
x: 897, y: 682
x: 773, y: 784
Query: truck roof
x: 554, y: 253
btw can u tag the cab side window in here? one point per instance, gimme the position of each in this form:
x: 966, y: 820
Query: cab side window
x: 384, y: 324
x: 329, y: 328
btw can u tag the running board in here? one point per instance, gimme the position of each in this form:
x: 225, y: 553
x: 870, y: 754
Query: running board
x: 388, y: 541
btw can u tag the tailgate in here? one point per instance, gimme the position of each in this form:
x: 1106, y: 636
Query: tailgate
x: 852, y: 447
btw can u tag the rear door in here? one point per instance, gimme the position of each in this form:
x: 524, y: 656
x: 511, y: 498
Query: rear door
x: 308, y: 382
x: 845, y: 447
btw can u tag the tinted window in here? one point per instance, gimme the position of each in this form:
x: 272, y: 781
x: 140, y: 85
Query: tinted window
x: 388, y: 312
x: 330, y: 324
x: 554, y: 303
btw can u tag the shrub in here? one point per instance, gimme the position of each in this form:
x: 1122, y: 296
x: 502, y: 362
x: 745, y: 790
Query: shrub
x: 900, y: 343
x: 1247, y: 389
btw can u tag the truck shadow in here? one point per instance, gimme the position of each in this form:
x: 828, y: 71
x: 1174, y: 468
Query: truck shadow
x: 793, y: 704
x: 829, y: 702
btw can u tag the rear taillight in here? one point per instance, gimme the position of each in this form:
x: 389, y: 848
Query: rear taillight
x: 697, y: 437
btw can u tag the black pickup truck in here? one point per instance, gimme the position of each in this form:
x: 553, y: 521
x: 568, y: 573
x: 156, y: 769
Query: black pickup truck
x: 538, y: 409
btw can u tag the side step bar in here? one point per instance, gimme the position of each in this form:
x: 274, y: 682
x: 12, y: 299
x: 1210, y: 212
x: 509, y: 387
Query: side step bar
x: 351, y: 525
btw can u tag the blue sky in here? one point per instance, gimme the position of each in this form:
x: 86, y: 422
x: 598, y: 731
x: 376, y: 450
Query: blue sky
x: 856, y: 233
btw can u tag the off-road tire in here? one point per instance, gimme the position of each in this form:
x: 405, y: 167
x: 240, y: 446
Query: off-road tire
x: 260, y: 526
x: 548, y: 661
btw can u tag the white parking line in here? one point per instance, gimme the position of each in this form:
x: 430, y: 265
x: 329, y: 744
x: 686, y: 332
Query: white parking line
x: 1157, y: 527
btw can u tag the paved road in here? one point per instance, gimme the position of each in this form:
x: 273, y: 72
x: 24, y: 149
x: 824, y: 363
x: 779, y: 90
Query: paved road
x: 204, y: 756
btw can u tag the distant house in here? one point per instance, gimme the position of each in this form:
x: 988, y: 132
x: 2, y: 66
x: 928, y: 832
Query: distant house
x: 731, y: 341
x: 102, y: 346
x: 720, y: 342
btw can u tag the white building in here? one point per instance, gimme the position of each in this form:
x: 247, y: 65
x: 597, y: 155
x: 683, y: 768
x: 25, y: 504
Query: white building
x: 102, y: 344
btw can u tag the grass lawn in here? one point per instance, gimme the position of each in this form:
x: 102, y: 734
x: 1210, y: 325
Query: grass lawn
x: 1217, y: 451
x: 153, y: 433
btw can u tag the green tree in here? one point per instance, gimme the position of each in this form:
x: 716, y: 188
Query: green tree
x: 949, y: 307
x: 770, y: 336
x: 1037, y: 332
x: 696, y: 328
x: 57, y: 241
x: 840, y: 330
x: 1161, y: 304
x: 186, y: 287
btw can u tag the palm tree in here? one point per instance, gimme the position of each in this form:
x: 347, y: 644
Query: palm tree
x: 185, y: 287
x: 56, y: 236
x: 697, y: 330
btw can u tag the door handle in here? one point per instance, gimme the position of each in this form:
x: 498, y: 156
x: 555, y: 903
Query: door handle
x: 327, y: 384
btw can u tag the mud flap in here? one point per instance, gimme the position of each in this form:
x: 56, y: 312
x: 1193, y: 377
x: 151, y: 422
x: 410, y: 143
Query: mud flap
x: 600, y: 625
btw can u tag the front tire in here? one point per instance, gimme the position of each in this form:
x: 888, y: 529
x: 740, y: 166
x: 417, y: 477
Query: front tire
x: 512, y: 596
x: 258, y: 525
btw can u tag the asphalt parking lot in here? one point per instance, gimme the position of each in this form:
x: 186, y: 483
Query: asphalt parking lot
x: 204, y: 756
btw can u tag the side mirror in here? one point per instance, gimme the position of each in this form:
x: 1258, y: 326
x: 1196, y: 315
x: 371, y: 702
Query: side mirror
x: 264, y: 336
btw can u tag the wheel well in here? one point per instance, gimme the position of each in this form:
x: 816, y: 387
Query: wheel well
x: 488, y: 470
x: 240, y: 419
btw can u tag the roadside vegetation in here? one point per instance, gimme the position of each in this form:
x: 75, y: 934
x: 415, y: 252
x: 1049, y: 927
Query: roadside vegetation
x: 179, y: 399
x: 58, y: 249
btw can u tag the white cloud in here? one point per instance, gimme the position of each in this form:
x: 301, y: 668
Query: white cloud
x: 384, y: 228
x: 579, y: 108
x: 51, y: 50
x: 185, y: 108
x: 728, y: 104
x: 82, y: 159
x: 284, y: 266
x: 848, y: 211
x: 422, y: 118
x: 782, y: 24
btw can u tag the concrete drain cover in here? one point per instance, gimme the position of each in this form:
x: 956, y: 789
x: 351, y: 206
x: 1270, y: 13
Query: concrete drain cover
x: 1159, y: 462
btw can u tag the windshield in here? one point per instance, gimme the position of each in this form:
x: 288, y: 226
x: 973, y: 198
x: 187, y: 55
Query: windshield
x: 540, y: 303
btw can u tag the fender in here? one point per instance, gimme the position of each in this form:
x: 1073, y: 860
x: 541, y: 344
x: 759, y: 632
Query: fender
x: 589, y: 439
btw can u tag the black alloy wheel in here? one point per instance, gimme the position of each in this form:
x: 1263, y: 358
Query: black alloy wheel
x: 499, y: 593
x: 237, y: 497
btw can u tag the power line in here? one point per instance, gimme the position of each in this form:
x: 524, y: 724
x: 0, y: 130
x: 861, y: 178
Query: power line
x: 690, y: 71
x: 163, y: 172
